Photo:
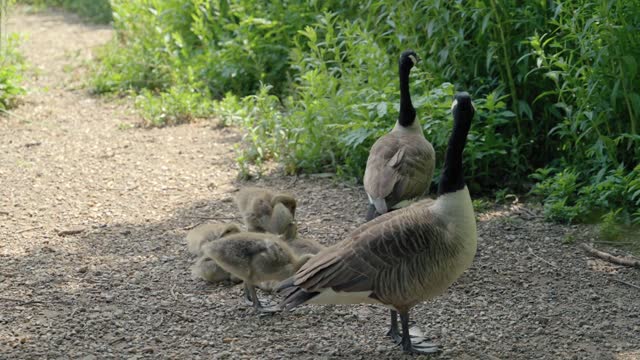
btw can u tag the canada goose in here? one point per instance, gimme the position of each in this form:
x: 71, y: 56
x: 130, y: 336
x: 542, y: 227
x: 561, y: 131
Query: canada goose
x: 403, y: 257
x: 256, y: 205
x: 401, y: 163
x: 205, y: 233
x: 254, y: 258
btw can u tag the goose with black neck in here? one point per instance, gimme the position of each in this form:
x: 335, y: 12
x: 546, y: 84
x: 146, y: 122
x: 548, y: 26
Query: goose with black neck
x: 401, y: 163
x: 404, y: 257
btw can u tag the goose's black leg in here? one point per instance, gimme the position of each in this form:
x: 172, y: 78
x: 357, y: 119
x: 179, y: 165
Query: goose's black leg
x: 247, y: 295
x: 396, y: 336
x: 393, y: 332
x: 417, y: 347
x: 256, y: 302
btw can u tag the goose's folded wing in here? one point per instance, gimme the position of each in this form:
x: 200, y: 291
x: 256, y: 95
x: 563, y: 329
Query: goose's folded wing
x: 397, y: 170
x: 382, y: 166
x: 413, y: 175
x: 426, y: 202
x: 358, y: 263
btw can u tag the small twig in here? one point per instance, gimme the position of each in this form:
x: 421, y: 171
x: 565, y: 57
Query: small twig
x: 70, y: 232
x: 185, y: 318
x: 214, y: 217
x: 224, y: 191
x: 626, y: 283
x: 117, y: 340
x: 29, y: 229
x: 31, y: 144
x: 173, y: 293
x: 541, y: 259
x: 322, y: 175
x: 614, y: 242
x: 159, y: 324
x: 12, y: 114
x: 4, y: 213
x: 293, y: 183
x: 189, y: 227
x: 22, y: 302
x: 610, y: 258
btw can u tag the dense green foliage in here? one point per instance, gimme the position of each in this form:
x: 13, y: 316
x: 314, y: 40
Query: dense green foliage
x: 11, y: 66
x: 95, y: 10
x: 314, y: 83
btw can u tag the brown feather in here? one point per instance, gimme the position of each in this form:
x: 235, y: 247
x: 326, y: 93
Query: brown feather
x: 387, y: 257
x: 400, y: 167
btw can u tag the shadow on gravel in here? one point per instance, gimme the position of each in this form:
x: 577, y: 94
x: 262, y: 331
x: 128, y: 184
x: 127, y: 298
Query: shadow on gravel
x: 125, y: 288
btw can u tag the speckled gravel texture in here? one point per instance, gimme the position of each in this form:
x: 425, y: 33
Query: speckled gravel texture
x: 120, y: 286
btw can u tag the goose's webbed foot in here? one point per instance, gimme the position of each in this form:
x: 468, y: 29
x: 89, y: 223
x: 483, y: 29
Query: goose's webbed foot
x: 417, y: 336
x: 414, y: 342
x: 250, y: 295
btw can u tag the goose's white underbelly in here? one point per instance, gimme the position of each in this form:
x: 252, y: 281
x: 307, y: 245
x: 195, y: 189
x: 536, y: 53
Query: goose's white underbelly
x: 329, y: 296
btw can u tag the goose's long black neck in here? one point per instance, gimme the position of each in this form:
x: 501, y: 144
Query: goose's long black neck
x: 452, y: 178
x: 407, y: 112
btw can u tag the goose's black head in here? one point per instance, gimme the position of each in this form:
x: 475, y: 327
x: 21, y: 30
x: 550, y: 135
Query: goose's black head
x: 408, y: 59
x: 452, y: 178
x: 462, y: 107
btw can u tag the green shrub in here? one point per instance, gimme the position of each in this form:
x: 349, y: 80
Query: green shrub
x: 556, y: 85
x: 98, y: 11
x: 11, y: 67
x: 612, y: 196
x: 177, y: 105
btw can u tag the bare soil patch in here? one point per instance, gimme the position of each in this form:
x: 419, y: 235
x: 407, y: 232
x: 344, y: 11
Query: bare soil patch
x: 93, y: 262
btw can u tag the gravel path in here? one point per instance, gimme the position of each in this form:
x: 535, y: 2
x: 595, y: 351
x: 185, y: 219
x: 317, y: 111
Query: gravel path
x: 118, y: 284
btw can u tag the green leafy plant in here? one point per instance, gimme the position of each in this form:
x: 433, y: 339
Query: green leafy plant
x: 11, y: 68
x: 555, y: 83
x: 175, y: 106
x: 98, y: 11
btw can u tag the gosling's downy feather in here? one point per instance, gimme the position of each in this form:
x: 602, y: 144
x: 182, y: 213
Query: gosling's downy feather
x: 256, y: 206
x: 206, y: 268
x: 205, y: 233
x: 254, y: 257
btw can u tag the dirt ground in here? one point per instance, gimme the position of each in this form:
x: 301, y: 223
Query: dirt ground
x: 120, y: 287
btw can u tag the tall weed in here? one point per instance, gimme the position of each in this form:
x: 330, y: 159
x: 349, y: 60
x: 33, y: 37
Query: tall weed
x: 11, y: 69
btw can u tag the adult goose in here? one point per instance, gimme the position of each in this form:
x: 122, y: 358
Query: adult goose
x: 403, y: 257
x: 400, y: 165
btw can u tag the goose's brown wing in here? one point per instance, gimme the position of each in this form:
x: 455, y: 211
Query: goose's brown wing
x: 399, y: 167
x: 387, y: 259
x: 415, y: 172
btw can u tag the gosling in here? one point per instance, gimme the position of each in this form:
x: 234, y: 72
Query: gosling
x: 205, y: 233
x: 205, y: 268
x: 255, y: 258
x: 282, y: 222
x: 256, y: 207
